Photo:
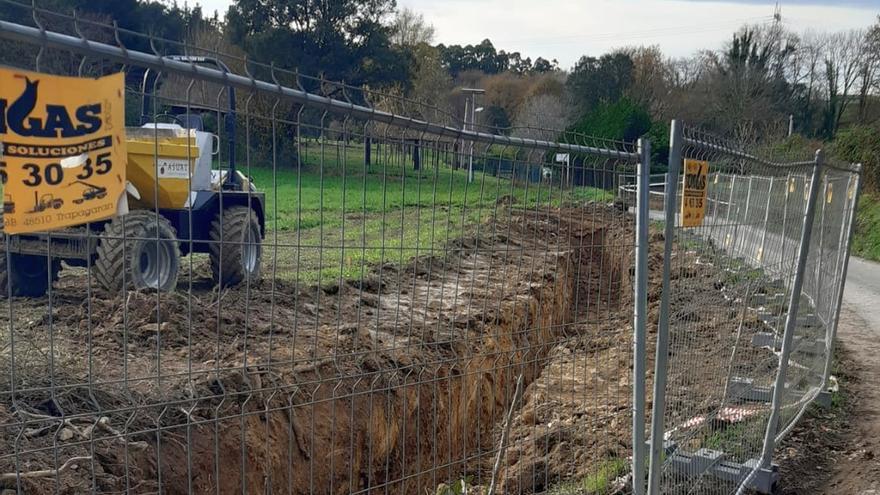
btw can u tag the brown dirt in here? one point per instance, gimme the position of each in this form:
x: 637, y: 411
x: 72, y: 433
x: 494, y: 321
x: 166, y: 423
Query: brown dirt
x: 837, y: 450
x: 578, y: 412
x: 587, y: 381
x: 396, y: 383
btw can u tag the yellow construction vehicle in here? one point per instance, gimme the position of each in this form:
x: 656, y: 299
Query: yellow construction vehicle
x: 179, y: 204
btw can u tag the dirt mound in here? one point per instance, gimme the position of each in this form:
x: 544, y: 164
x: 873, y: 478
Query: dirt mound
x: 395, y: 383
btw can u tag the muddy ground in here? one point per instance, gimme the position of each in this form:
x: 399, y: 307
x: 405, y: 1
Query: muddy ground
x: 837, y: 449
x: 396, y: 384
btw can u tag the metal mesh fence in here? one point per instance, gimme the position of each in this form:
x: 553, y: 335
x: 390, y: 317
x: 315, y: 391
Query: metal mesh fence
x: 746, y: 293
x: 334, y: 308
x: 347, y: 291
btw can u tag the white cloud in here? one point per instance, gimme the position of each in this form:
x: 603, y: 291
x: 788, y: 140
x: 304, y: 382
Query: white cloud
x: 209, y: 6
x: 567, y: 29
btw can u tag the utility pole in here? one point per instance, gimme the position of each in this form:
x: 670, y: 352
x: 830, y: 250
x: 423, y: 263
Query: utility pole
x: 470, y: 117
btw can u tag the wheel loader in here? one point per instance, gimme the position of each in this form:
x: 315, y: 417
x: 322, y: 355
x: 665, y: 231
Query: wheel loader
x: 178, y: 204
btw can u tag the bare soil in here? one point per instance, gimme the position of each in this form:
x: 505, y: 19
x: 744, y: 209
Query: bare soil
x: 396, y: 383
x: 576, y: 418
x: 837, y: 450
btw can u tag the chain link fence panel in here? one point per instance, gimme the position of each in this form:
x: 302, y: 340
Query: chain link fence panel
x: 345, y: 311
x: 753, y: 300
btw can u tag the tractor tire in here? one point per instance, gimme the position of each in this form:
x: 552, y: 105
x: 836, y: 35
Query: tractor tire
x: 236, y: 246
x: 27, y: 276
x: 131, y: 257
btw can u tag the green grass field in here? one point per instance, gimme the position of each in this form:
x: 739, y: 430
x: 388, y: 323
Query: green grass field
x: 331, y: 218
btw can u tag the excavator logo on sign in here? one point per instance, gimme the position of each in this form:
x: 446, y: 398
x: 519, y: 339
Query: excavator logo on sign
x: 63, y: 150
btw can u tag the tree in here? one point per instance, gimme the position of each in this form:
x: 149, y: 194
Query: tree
x: 543, y: 65
x: 517, y: 64
x: 431, y: 84
x: 842, y: 59
x: 506, y: 91
x: 544, y: 111
x: 343, y: 40
x: 410, y: 29
x: 869, y: 69
x: 650, y: 78
x: 157, y: 18
x: 621, y: 120
x: 750, y: 96
x: 497, y: 120
x: 874, y: 48
x: 805, y: 74
x: 594, y: 81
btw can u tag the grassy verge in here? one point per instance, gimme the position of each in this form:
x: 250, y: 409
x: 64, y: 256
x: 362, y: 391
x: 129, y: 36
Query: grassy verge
x: 866, y: 243
x: 598, y: 482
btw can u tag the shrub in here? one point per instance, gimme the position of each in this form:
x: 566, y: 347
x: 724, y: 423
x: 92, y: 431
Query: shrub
x: 861, y: 144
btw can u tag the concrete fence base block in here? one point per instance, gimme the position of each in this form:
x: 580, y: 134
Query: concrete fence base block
x: 774, y: 320
x: 744, y: 390
x: 826, y: 396
x: 766, y: 339
x: 707, y: 462
x: 813, y: 347
x: 764, y: 299
x: 823, y: 400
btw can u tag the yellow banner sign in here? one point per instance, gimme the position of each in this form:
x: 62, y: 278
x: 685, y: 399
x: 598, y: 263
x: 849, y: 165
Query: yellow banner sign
x: 693, y: 196
x: 63, y: 149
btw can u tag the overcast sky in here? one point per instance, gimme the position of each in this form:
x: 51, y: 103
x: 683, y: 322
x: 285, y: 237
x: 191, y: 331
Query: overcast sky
x: 567, y: 29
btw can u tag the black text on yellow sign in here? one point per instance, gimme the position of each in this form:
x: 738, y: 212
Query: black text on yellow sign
x: 63, y: 149
x: 694, y: 193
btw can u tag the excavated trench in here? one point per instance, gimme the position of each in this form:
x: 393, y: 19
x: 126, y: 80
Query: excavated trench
x: 391, y: 385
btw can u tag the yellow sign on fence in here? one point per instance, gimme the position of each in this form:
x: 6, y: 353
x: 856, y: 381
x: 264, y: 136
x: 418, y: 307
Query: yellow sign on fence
x: 693, y: 195
x: 63, y: 149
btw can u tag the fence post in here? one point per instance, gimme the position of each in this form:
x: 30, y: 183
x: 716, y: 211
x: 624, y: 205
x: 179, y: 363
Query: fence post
x: 817, y: 282
x: 729, y: 237
x: 714, y: 198
x: 783, y: 237
x: 416, y: 154
x: 849, y: 234
x: 640, y: 310
x: 791, y: 316
x: 763, y: 247
x: 368, y: 152
x: 738, y: 246
x: 658, y: 412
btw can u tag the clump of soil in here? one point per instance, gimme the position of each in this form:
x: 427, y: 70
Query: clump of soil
x: 573, y: 433
x: 393, y: 384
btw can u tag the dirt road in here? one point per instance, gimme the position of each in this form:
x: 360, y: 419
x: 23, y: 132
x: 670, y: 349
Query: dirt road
x: 856, y: 469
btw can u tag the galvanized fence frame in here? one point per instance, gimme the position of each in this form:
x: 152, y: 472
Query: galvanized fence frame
x: 410, y: 141
x: 805, y: 256
x: 752, y: 228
